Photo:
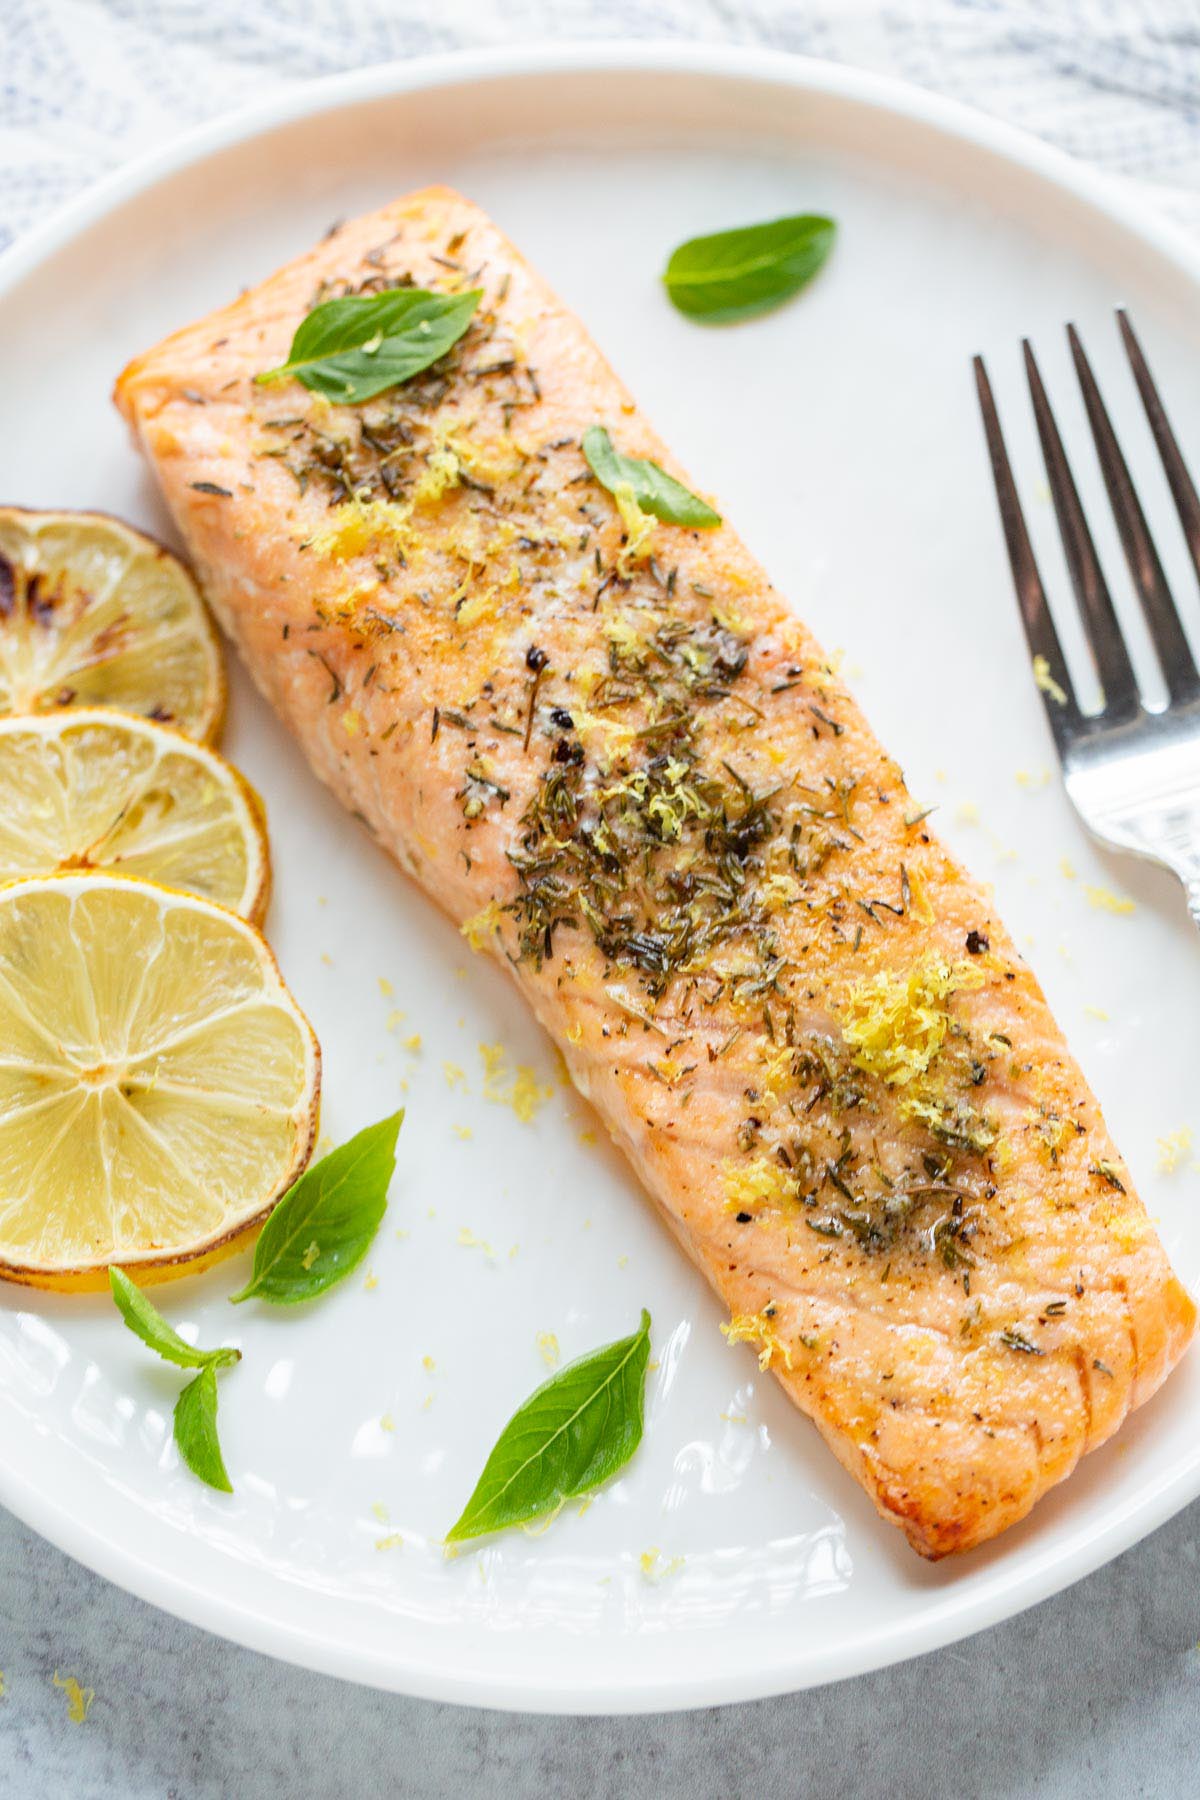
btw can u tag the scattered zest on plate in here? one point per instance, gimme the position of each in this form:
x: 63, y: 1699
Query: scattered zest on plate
x: 732, y: 275
x: 574, y: 1433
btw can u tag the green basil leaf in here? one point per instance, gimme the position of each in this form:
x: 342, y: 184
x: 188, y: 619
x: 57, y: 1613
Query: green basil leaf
x: 147, y: 1322
x: 196, y: 1430
x: 570, y: 1436
x: 654, y: 490
x: 354, y: 348
x: 734, y: 274
x: 325, y: 1223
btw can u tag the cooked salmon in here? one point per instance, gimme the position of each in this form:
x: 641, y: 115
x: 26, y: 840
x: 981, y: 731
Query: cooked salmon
x: 609, y: 751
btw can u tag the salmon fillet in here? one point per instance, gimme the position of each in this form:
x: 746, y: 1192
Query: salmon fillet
x: 608, y: 750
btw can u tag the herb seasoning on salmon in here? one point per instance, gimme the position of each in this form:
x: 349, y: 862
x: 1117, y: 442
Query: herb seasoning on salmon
x: 604, y: 745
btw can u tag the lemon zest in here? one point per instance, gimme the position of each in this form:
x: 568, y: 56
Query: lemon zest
x: 778, y: 892
x: 639, y: 525
x: 757, y: 1182
x: 1129, y: 1228
x: 1104, y: 900
x: 483, y: 925
x: 79, y: 1699
x: 758, y: 1328
x: 477, y: 607
x: 1046, y: 682
x: 467, y: 1240
x: 522, y: 1091
x: 443, y: 471
x: 1173, y: 1148
x: 896, y: 1024
x: 654, y: 1569
x: 547, y: 1344
x: 540, y: 1527
x: 357, y: 526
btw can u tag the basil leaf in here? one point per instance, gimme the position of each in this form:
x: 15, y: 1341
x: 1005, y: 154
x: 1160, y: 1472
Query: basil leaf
x: 196, y: 1430
x: 735, y: 274
x: 325, y: 1223
x: 654, y: 490
x: 571, y: 1435
x: 147, y: 1322
x: 354, y: 348
x: 196, y: 1407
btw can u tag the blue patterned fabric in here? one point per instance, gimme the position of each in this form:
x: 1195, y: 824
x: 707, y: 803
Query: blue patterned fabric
x: 84, y: 84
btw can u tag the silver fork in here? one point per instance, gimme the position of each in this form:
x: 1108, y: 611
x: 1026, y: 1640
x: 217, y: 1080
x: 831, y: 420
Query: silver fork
x: 1133, y: 775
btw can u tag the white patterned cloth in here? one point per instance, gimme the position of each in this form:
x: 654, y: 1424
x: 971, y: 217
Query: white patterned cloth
x: 85, y: 84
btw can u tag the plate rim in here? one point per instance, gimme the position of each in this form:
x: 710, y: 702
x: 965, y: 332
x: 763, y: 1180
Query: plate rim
x: 241, y: 1620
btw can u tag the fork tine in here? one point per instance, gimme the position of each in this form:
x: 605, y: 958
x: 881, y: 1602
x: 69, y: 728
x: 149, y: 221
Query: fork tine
x: 1053, y: 678
x: 1187, y: 502
x: 1091, y: 591
x: 1171, y: 646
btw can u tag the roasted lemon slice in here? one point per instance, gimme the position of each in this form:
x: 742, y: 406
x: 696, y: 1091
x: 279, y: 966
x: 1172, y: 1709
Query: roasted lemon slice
x: 94, y: 614
x: 91, y: 789
x: 158, y: 1083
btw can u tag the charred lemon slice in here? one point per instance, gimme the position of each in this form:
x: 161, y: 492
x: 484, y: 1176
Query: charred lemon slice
x: 158, y: 1084
x: 91, y: 789
x: 92, y: 613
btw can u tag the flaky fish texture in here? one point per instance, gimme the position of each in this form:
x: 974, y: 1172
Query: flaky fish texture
x: 609, y: 751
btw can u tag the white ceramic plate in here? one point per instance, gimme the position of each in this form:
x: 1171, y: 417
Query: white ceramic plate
x: 842, y: 436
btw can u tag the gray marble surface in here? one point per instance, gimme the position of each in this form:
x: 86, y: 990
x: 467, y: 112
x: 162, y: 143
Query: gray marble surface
x: 1095, y: 1693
